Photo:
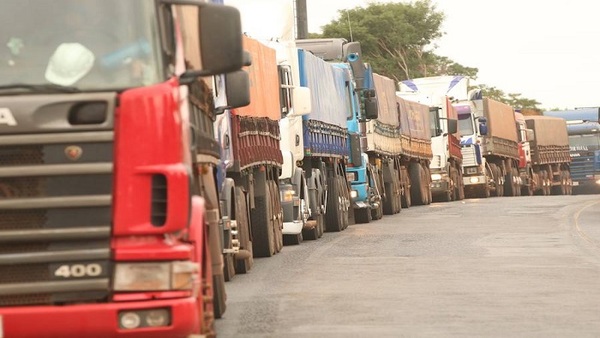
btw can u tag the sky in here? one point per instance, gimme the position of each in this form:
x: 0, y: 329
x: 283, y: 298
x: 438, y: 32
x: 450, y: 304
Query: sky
x: 548, y: 51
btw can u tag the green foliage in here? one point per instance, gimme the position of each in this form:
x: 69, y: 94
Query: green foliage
x: 397, y: 40
x: 512, y: 99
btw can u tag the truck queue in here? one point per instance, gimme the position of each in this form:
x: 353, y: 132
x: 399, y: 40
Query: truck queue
x: 271, y: 142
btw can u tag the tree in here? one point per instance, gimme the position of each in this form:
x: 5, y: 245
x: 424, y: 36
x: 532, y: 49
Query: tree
x: 396, y: 38
x: 512, y: 99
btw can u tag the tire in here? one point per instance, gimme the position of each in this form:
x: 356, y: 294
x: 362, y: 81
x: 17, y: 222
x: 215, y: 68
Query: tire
x: 427, y: 185
x: 243, y: 225
x: 387, y: 203
x: 345, y: 203
x: 509, y: 184
x: 333, y: 217
x: 277, y: 216
x: 263, y: 244
x: 417, y: 195
x: 499, y: 186
x: 219, y: 296
x: 228, y: 267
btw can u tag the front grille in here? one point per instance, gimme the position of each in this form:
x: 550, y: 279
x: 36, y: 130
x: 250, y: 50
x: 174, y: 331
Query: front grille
x: 469, y: 156
x: 55, y: 216
x: 582, y: 166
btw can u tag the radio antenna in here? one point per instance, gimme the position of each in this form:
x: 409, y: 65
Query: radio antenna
x: 349, y: 25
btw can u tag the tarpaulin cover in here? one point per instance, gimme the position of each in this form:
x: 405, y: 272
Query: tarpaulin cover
x: 500, y: 120
x: 414, y: 119
x: 549, y: 131
x: 264, y: 82
x: 327, y: 85
x: 386, y: 96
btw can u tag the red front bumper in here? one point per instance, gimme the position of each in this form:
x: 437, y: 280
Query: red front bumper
x: 95, y: 320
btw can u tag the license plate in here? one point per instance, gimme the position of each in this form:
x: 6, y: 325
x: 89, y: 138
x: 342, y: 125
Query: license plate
x: 574, y: 184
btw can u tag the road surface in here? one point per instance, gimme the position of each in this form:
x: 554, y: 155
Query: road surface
x: 510, y: 266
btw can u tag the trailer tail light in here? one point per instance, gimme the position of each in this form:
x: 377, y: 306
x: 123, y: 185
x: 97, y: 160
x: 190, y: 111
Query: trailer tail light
x: 134, y: 319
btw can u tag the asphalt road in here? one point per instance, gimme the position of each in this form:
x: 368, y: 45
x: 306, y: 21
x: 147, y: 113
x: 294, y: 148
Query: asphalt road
x: 498, y: 267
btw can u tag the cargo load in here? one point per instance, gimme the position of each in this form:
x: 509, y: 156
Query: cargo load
x: 551, y: 142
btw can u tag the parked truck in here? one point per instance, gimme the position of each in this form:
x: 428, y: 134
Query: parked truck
x: 249, y: 137
x: 583, y: 126
x: 362, y: 105
x: 303, y: 208
x: 489, y: 147
x: 103, y: 174
x: 324, y: 134
x: 399, y: 149
x: 446, y: 166
x: 546, y: 170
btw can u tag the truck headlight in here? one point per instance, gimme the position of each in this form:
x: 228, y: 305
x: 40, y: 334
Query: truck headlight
x: 287, y: 195
x: 159, y: 276
x: 353, y: 194
x: 436, y: 177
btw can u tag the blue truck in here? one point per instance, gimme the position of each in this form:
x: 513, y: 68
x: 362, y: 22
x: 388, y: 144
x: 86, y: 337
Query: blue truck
x: 583, y: 127
x: 361, y: 105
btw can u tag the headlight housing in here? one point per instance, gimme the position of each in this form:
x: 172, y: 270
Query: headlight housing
x: 155, y: 276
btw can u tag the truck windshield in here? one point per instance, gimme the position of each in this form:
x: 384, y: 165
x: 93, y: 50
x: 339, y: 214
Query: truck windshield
x: 465, y: 119
x: 84, y: 45
x: 584, y: 142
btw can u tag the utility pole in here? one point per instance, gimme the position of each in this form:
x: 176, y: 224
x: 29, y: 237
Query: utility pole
x: 301, y: 19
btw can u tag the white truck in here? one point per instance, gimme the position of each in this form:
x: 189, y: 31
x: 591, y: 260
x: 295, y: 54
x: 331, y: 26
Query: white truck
x: 438, y: 92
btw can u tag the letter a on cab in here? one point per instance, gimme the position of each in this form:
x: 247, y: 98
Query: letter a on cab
x: 6, y: 117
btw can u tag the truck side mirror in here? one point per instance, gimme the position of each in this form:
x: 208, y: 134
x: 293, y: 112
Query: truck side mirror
x: 220, y: 31
x: 483, y: 129
x: 530, y: 135
x: 237, y: 89
x: 452, y: 126
x: 371, y: 104
x: 301, y: 101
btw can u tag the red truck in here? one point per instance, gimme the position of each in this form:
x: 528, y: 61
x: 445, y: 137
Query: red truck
x: 104, y: 231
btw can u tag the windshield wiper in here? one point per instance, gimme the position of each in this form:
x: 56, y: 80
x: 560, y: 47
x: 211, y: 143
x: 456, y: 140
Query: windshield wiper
x: 41, y: 88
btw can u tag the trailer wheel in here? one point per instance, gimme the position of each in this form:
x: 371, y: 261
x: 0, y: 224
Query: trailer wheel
x: 415, y: 172
x: 461, y: 187
x: 569, y: 182
x: 427, y: 184
x: 277, y: 216
x: 509, y: 183
x: 345, y: 202
x: 333, y: 216
x: 243, y: 265
x: 263, y: 231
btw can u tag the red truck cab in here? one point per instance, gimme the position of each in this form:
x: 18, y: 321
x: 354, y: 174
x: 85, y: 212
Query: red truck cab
x: 102, y: 233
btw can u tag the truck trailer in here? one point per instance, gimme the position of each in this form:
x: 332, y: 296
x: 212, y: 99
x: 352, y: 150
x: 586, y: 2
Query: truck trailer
x: 104, y: 230
x: 399, y: 147
x: 550, y: 159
